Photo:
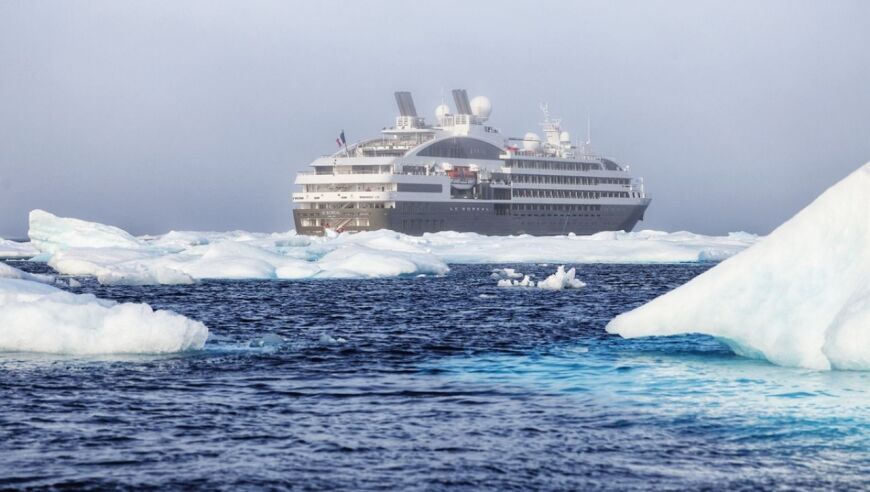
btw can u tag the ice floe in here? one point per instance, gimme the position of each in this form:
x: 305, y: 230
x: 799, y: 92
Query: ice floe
x: 800, y: 297
x: 113, y: 256
x: 604, y: 247
x: 36, y: 317
x: 77, y: 247
x: 13, y: 249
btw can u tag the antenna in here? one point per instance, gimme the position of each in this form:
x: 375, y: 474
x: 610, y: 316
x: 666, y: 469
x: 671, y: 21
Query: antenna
x: 588, y: 130
x: 546, y: 109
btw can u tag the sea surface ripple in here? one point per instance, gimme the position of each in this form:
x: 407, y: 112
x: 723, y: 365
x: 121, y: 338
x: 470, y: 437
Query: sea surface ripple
x: 427, y: 383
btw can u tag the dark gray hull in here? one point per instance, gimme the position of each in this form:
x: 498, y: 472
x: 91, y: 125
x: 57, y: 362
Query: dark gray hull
x: 415, y: 218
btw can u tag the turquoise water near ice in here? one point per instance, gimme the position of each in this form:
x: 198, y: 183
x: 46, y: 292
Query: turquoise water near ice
x: 440, y: 383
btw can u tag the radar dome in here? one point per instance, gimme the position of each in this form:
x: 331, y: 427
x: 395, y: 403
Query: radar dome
x: 565, y: 138
x: 531, y: 142
x: 481, y: 107
x: 441, y: 111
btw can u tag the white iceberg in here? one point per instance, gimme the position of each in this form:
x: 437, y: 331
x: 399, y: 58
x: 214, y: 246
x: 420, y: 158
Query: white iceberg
x: 35, y: 317
x: 13, y: 249
x: 800, y: 297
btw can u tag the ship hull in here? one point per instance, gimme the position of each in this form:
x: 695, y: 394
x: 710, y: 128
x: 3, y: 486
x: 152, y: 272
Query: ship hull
x: 416, y: 218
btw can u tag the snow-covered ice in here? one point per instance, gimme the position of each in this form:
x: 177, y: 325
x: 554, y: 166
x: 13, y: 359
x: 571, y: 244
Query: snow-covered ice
x: 557, y: 281
x: 800, y: 297
x: 604, y: 247
x: 36, y: 317
x: 78, y: 247
x: 50, y: 233
x: 12, y: 249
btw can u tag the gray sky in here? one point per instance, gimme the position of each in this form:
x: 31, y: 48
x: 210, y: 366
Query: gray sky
x: 195, y: 115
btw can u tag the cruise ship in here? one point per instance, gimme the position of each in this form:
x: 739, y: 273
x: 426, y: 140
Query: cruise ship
x: 462, y: 174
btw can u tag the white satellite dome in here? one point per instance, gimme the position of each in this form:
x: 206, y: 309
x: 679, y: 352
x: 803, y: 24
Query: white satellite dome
x: 441, y: 111
x: 481, y: 107
x: 565, y: 138
x: 531, y: 142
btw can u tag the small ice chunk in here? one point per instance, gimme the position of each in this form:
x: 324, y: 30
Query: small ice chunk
x: 561, y: 280
x: 525, y: 282
x: 327, y: 339
x: 557, y: 281
x: 267, y: 340
x: 506, y: 273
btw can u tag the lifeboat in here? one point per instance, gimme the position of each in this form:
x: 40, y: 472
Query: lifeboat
x: 462, y: 178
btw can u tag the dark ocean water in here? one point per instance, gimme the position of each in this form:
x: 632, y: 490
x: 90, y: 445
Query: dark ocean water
x: 439, y: 383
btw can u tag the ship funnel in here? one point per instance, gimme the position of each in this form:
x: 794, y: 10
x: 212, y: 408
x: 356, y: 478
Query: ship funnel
x: 406, y: 104
x: 460, y: 97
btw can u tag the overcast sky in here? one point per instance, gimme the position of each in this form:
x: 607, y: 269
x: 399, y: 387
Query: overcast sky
x: 155, y: 116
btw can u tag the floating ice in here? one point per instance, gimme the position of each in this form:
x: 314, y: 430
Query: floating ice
x: 7, y: 271
x: 800, y: 297
x: 327, y: 339
x: 604, y: 247
x: 525, y: 282
x: 77, y: 247
x: 557, y: 281
x: 506, y: 273
x: 12, y: 249
x: 561, y: 280
x: 50, y: 233
x: 35, y: 317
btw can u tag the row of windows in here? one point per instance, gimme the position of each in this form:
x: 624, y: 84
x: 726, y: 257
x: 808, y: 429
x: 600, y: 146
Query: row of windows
x: 334, y: 169
x: 552, y: 165
x: 462, y: 148
x: 548, y: 210
x: 574, y: 194
x: 342, y: 205
x: 429, y: 224
x: 548, y: 207
x: 348, y: 188
x: 335, y: 223
x: 566, y: 180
